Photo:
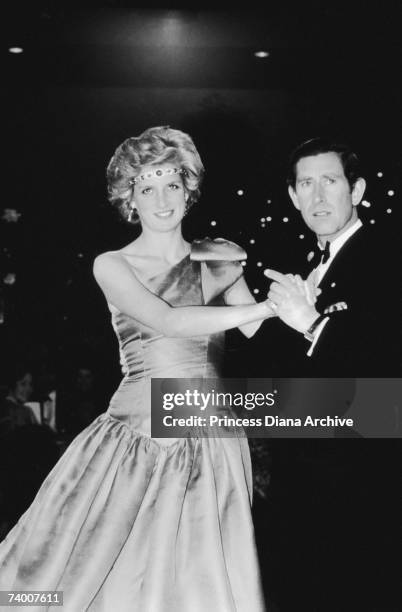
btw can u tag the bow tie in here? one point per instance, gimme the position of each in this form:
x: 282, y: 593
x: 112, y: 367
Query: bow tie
x: 315, y: 258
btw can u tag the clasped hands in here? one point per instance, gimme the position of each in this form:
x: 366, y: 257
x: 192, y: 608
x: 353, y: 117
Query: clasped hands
x: 293, y: 299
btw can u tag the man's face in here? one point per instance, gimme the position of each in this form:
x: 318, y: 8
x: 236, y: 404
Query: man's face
x: 323, y: 195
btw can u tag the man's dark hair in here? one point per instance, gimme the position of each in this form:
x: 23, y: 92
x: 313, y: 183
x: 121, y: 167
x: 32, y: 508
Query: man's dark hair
x: 315, y: 146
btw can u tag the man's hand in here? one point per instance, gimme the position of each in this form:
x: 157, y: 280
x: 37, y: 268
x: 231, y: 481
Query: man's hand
x: 293, y: 300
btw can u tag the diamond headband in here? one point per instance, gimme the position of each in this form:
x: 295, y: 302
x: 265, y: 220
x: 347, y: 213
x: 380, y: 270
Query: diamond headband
x: 155, y: 173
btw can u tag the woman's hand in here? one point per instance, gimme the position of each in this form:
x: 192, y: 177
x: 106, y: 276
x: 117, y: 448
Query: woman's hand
x: 292, y: 300
x: 307, y: 287
x: 271, y: 308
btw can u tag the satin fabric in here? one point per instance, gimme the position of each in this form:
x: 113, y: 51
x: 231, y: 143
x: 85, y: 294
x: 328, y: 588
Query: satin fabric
x: 125, y: 522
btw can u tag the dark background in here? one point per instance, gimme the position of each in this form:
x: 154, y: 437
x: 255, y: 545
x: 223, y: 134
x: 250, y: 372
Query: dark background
x: 92, y: 75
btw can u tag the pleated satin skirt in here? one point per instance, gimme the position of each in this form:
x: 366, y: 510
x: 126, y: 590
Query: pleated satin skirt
x: 126, y: 524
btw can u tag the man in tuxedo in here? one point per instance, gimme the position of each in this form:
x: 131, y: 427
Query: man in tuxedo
x: 330, y: 493
x: 353, y: 328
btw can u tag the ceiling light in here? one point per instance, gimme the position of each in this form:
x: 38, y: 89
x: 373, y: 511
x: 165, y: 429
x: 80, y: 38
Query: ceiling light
x: 261, y: 54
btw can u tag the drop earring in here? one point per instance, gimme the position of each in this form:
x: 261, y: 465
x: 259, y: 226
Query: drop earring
x: 187, y: 206
x: 132, y: 212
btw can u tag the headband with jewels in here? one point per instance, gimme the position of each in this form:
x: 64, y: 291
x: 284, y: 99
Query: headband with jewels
x: 155, y: 173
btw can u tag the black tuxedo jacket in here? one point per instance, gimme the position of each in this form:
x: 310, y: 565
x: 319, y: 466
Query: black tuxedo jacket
x: 364, y: 340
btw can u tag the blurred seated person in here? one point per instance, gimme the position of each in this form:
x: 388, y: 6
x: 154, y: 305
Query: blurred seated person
x: 28, y: 450
x: 13, y: 410
x: 44, y: 401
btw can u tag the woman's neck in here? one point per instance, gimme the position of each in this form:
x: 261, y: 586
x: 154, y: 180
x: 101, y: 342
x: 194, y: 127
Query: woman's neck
x: 169, y: 246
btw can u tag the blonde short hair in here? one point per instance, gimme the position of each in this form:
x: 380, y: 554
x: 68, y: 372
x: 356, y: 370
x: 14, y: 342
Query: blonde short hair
x: 155, y: 146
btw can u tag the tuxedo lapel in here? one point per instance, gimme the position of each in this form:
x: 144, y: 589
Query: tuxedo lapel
x: 341, y: 275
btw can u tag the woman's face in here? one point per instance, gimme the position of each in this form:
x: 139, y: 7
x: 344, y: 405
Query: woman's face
x: 160, y: 200
x: 23, y: 388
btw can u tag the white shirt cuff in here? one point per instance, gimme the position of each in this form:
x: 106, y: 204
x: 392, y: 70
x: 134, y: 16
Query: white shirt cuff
x: 317, y: 334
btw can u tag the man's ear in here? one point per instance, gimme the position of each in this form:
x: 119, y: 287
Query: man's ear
x: 358, y: 191
x: 293, y: 197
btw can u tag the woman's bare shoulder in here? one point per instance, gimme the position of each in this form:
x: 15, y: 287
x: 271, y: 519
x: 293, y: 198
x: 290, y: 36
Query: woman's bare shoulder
x: 108, y: 262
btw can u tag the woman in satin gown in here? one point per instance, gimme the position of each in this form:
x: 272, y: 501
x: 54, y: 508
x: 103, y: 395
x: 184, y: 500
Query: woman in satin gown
x: 127, y: 522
